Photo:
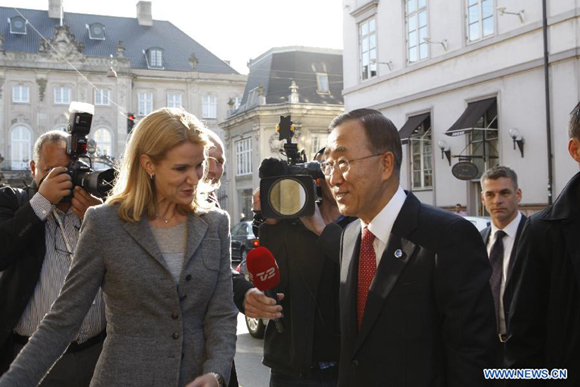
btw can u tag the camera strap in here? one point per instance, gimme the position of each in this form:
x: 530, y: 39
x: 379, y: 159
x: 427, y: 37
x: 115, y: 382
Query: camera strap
x: 61, y: 227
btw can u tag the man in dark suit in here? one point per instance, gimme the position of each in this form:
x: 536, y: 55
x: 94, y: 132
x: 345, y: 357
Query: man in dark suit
x: 415, y: 304
x: 501, y: 195
x: 37, y: 235
x: 544, y: 319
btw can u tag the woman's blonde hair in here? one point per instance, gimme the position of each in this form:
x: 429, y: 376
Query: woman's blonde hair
x: 154, y: 136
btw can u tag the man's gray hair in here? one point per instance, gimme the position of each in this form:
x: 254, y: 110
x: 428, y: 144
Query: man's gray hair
x: 500, y: 171
x: 51, y: 137
x: 574, y: 124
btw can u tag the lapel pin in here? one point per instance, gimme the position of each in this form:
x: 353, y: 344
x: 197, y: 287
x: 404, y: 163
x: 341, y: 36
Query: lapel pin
x: 398, y: 253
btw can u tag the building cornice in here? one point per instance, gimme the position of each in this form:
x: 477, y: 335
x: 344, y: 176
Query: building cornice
x: 281, y: 109
x: 364, y: 8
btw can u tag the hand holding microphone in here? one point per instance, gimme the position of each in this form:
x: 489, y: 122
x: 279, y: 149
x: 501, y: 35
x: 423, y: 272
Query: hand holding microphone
x: 265, y: 275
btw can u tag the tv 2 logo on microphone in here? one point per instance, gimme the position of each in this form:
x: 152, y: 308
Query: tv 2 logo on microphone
x: 265, y: 275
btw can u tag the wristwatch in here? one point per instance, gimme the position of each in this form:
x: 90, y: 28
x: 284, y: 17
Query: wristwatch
x: 220, y: 380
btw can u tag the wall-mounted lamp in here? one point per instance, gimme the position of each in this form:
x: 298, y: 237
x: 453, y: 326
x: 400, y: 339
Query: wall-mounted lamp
x: 518, y: 139
x: 445, y: 150
x: 443, y: 42
x: 111, y: 73
x: 502, y: 11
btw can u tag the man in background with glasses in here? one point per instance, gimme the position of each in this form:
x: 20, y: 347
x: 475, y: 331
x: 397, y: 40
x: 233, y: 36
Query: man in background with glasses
x: 415, y: 303
x: 38, y: 234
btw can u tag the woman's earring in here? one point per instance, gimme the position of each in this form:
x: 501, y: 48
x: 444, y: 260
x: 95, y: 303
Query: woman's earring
x: 152, y: 176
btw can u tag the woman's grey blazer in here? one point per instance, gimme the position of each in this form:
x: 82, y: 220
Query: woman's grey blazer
x: 158, y: 333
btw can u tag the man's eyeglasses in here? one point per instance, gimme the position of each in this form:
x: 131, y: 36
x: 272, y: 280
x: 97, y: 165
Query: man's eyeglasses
x: 327, y: 167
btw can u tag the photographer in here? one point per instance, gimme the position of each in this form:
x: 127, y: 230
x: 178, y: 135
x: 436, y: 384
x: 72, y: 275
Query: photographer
x: 37, y: 234
x: 308, y: 349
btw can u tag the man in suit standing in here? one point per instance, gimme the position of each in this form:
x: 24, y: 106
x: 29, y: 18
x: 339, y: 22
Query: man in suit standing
x: 37, y: 238
x: 544, y: 319
x: 500, y: 195
x: 415, y: 303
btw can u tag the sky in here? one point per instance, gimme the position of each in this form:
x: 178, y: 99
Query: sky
x: 234, y: 30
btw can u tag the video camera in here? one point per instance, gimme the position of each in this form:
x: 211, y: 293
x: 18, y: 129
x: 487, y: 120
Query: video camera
x: 96, y: 183
x: 287, y: 190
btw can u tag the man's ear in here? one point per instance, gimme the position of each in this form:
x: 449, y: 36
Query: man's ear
x: 387, y: 164
x: 574, y: 149
x: 147, y: 164
x: 33, y: 168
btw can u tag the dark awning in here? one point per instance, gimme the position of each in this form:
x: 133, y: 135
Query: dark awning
x: 470, y: 117
x: 412, y: 124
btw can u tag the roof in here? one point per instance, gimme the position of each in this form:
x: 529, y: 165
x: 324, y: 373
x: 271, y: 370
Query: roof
x: 277, y: 68
x: 177, y: 46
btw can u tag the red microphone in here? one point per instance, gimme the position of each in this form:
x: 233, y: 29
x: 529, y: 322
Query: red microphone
x: 265, y: 275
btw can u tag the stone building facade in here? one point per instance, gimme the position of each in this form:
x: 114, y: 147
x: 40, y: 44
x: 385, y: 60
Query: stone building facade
x: 122, y: 66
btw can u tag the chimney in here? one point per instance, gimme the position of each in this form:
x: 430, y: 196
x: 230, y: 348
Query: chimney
x: 144, y: 13
x: 54, y: 8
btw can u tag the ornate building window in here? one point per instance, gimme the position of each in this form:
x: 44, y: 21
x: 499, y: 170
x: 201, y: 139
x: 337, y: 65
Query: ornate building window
x: 102, y: 97
x: 145, y: 101
x: 17, y: 25
x: 20, y: 94
x: 96, y: 31
x: 322, y: 86
x: 209, y: 106
x: 154, y: 57
x: 174, y: 100
x: 104, y: 141
x: 20, y: 148
x: 243, y: 157
x: 62, y: 95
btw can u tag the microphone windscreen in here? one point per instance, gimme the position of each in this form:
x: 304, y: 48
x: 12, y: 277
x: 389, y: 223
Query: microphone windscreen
x: 271, y: 167
x: 263, y: 269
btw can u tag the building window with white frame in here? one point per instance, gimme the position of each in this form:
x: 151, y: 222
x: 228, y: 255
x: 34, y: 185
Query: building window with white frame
x: 21, y: 145
x: 174, y: 100
x: 322, y: 85
x: 20, y: 94
x: 237, y: 102
x: 145, y: 101
x: 480, y: 19
x: 104, y: 142
x: 420, y: 144
x: 368, y: 48
x: 62, y: 95
x: 243, y: 157
x: 209, y: 106
x: 416, y: 19
x: 155, y: 58
x: 17, y: 25
x: 102, y: 97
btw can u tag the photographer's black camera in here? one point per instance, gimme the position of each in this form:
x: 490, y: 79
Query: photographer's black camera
x: 96, y: 183
x: 287, y: 189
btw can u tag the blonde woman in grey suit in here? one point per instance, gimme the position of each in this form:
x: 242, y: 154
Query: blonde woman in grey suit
x: 163, y: 262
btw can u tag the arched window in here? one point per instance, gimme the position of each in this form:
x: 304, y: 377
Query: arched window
x: 20, y: 151
x: 104, y: 142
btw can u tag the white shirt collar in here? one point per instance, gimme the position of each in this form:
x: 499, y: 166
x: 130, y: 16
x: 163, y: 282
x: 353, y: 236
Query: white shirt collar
x: 382, y: 224
x: 511, y: 229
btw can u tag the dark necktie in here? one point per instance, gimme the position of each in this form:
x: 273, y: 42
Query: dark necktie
x: 496, y: 260
x: 367, y: 266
